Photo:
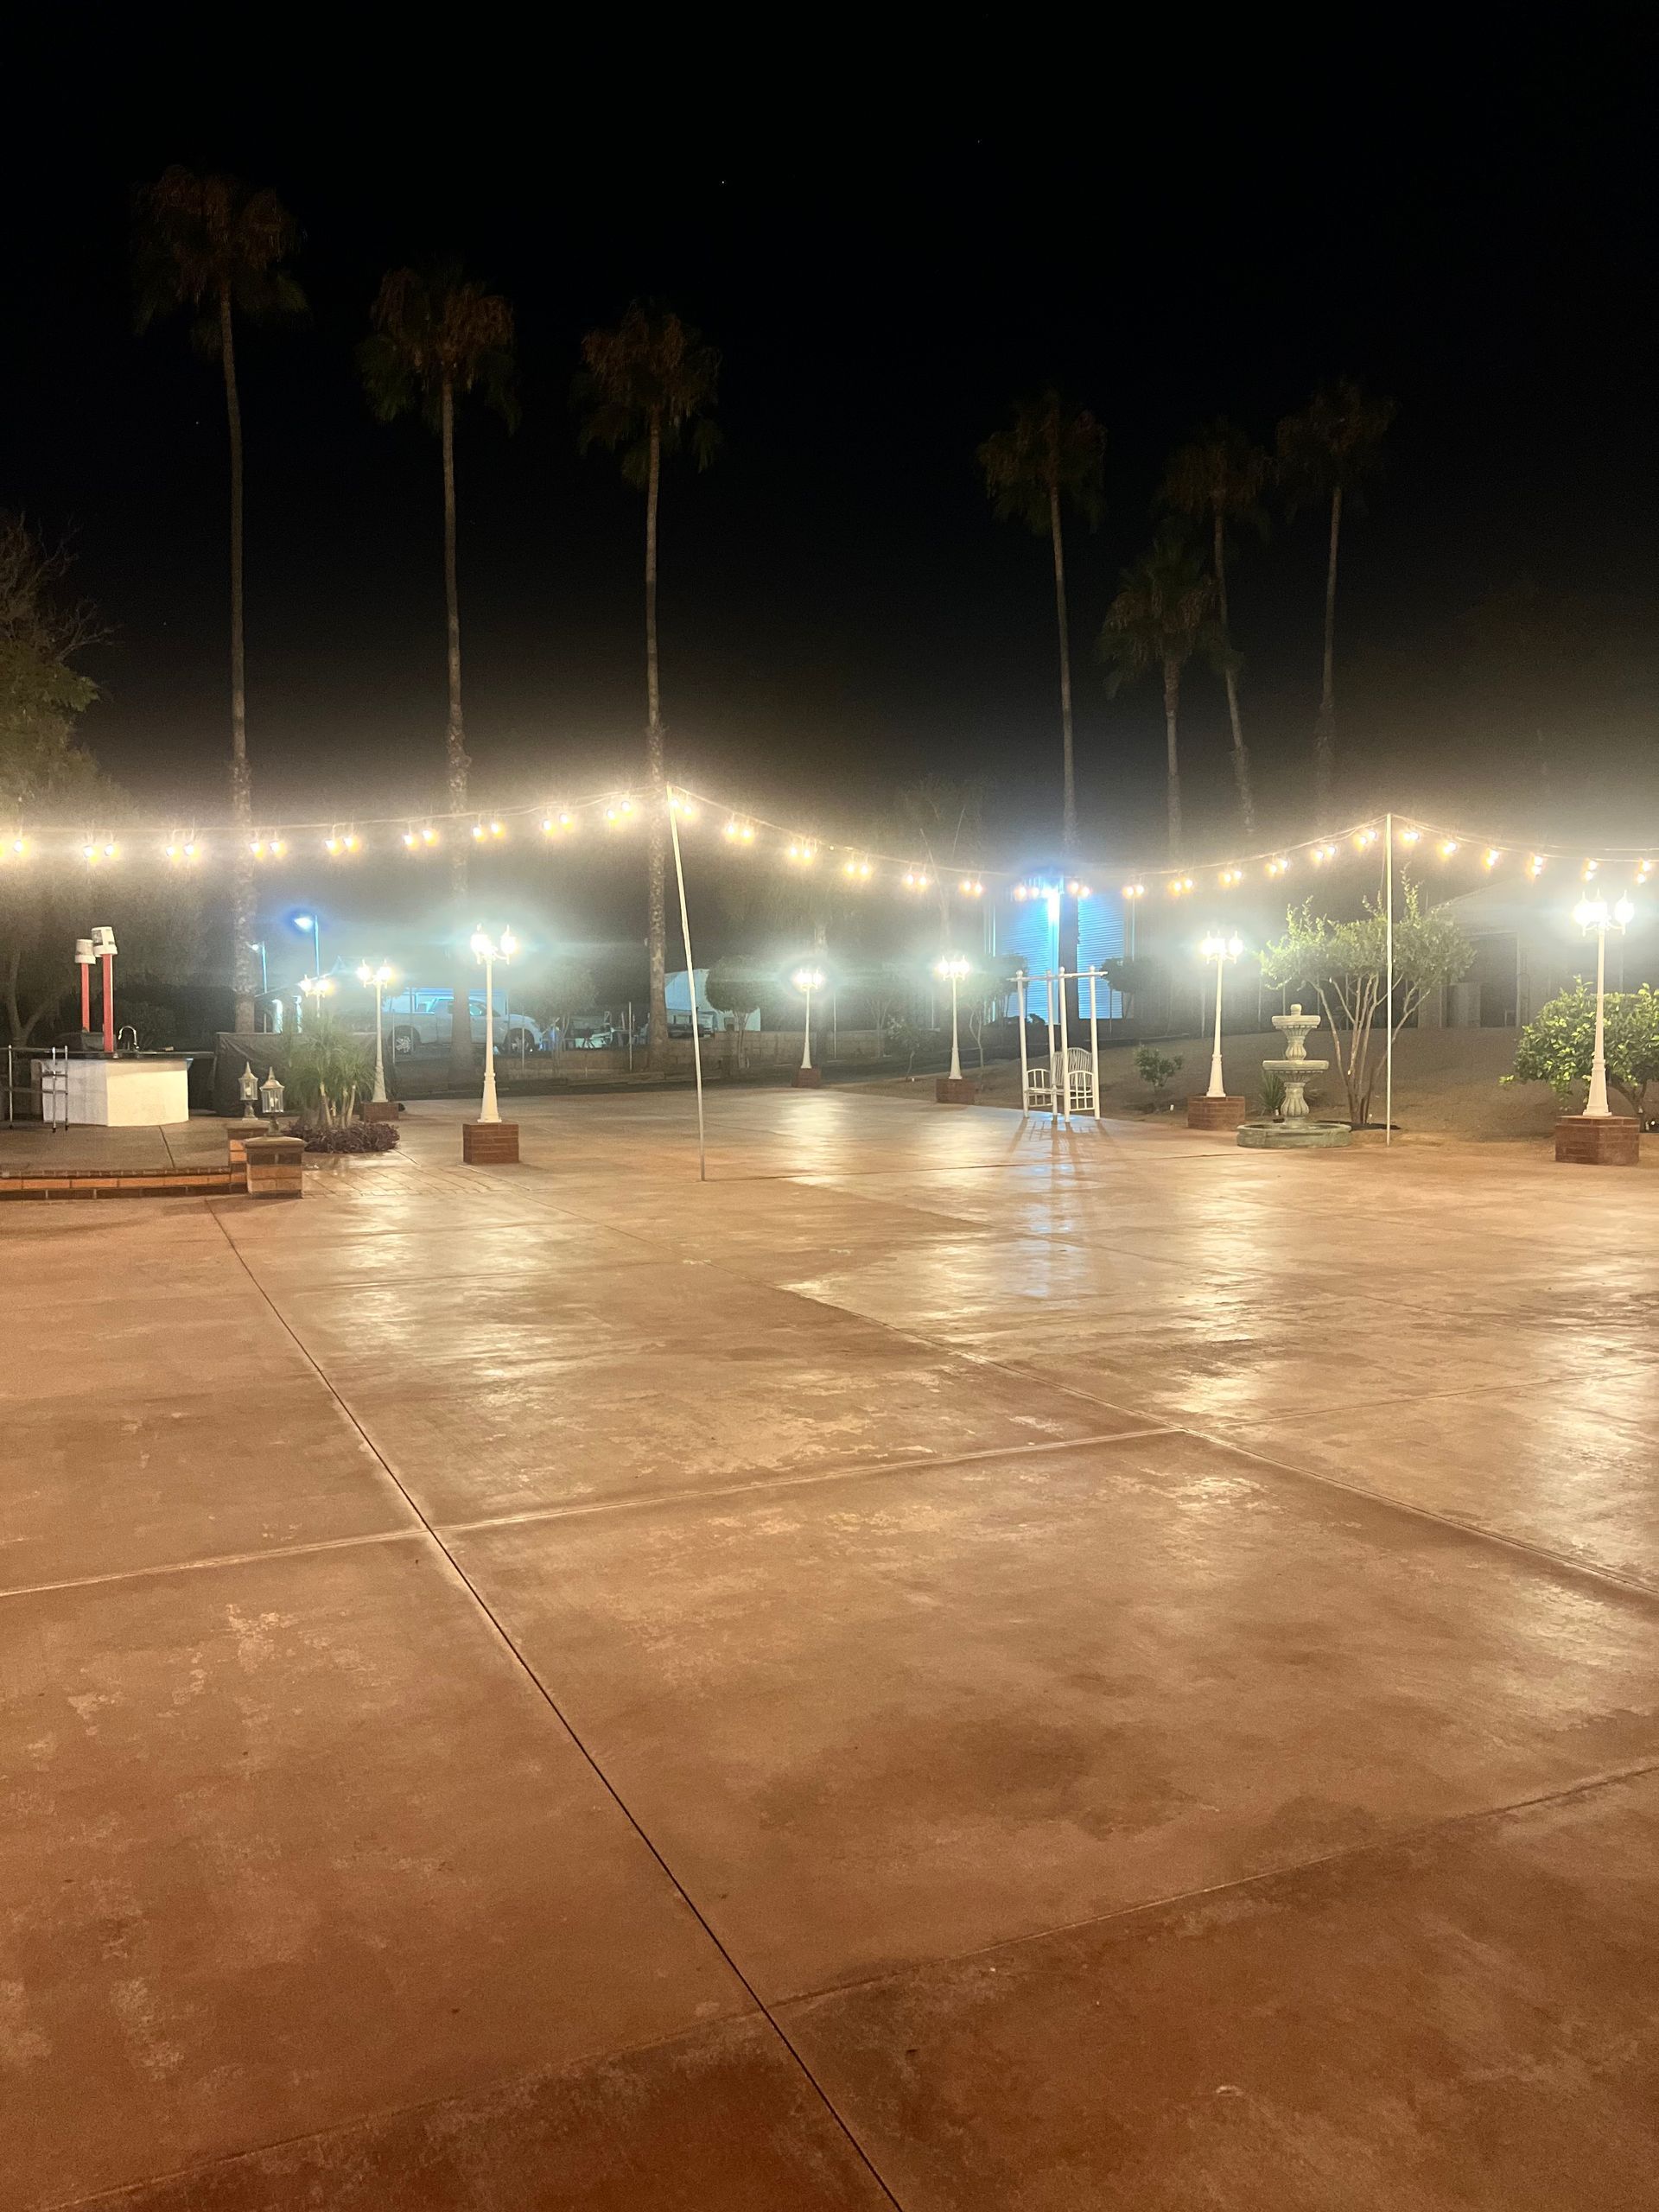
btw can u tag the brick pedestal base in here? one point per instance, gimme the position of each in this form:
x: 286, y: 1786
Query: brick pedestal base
x: 489, y: 1144
x: 276, y: 1167
x: 380, y: 1109
x: 954, y: 1091
x: 237, y: 1134
x: 809, y: 1079
x: 1214, y: 1113
x: 1598, y: 1140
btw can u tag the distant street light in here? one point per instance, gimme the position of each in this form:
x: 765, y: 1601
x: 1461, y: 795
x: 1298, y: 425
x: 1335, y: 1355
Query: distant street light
x: 310, y: 925
x: 489, y: 949
x: 1596, y: 914
x: 953, y: 969
x: 380, y: 976
x: 1221, y: 950
x: 316, y: 988
x: 808, y: 980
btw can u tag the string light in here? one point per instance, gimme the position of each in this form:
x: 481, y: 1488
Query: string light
x: 1448, y: 846
x: 916, y: 880
x: 1278, y: 866
x: 1535, y: 865
x: 1491, y: 857
x: 683, y: 807
x: 1409, y: 836
x: 971, y: 887
x: 410, y: 840
x: 478, y: 833
x: 1229, y: 876
x: 858, y: 869
x: 331, y: 842
x: 803, y: 854
x: 1590, y: 869
x: 1130, y: 891
x: 1363, y: 838
x: 350, y: 841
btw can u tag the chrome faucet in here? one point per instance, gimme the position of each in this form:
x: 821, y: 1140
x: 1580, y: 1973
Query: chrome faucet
x: 121, y: 1036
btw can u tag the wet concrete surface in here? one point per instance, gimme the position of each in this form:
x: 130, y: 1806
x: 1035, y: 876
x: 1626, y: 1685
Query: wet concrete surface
x: 955, y: 1664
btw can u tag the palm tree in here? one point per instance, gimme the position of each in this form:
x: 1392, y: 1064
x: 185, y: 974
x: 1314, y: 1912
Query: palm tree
x: 1051, y: 454
x: 646, y: 388
x: 213, y: 244
x: 1217, y: 478
x: 1164, y: 613
x: 438, y: 338
x: 1327, y: 451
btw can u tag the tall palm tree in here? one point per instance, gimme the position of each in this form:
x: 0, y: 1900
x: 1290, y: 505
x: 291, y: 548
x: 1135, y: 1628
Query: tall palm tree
x: 645, y: 389
x: 1164, y: 613
x: 1218, y: 479
x: 1052, y: 454
x: 1327, y: 453
x: 214, y: 245
x: 436, y: 339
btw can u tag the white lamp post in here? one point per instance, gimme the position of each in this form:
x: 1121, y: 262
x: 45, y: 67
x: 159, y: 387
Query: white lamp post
x: 1221, y: 950
x: 953, y: 968
x: 808, y: 980
x: 380, y: 976
x: 1596, y: 914
x: 489, y: 949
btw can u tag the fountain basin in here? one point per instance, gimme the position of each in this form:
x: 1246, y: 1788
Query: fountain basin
x: 1303, y: 1134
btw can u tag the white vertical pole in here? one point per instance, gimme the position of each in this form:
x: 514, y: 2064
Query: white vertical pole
x: 1388, y: 1080
x: 489, y: 1111
x: 1094, y: 1039
x: 1019, y: 986
x: 1065, y: 1058
x: 1596, y: 1103
x: 806, y: 1037
x: 956, y: 1049
x: 380, y: 1049
x: 691, y: 978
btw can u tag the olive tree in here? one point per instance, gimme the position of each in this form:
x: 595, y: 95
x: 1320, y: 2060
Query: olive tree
x: 1557, y: 1045
x: 1345, y: 964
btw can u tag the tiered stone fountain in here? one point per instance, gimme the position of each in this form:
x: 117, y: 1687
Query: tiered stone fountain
x: 1295, y: 1128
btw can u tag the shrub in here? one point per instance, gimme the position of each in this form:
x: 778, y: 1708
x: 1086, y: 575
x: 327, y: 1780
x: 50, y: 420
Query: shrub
x: 327, y: 1069
x: 1272, y: 1093
x: 1156, y: 1068
x: 1558, y: 1045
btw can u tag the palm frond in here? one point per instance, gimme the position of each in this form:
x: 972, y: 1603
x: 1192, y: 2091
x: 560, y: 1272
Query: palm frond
x: 1052, y: 448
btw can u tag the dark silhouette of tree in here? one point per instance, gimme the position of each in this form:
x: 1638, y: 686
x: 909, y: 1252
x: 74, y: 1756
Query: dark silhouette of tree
x: 1327, y: 453
x: 645, y: 389
x: 214, y: 245
x: 1051, y: 455
x: 1164, y: 613
x: 1217, y: 479
x: 437, y: 339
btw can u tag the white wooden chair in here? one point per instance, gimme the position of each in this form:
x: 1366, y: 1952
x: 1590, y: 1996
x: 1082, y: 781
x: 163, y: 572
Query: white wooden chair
x: 1040, y: 1088
x: 1079, y: 1081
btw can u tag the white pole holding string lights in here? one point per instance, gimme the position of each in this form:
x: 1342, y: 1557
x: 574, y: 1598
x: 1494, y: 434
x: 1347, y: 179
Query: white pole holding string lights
x: 808, y: 980
x: 489, y: 949
x: 953, y: 969
x: 1221, y: 950
x: 379, y: 976
x: 1596, y: 914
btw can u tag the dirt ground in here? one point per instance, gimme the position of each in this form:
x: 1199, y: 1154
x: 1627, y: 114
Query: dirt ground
x: 1446, y: 1082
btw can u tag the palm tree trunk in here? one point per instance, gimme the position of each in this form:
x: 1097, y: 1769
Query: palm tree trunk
x: 1240, y: 756
x: 460, y: 1010
x: 242, y: 908
x: 1172, y: 741
x: 1069, y: 916
x: 1324, y: 742
x: 657, y: 820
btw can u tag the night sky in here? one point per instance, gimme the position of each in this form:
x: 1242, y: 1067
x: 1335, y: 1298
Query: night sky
x: 1171, y: 233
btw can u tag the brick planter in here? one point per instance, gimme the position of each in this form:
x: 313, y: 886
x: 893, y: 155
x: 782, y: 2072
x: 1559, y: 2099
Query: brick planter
x: 489, y: 1144
x: 276, y: 1167
x: 954, y: 1091
x: 1214, y: 1113
x: 1598, y: 1140
x: 380, y: 1109
x: 809, y: 1079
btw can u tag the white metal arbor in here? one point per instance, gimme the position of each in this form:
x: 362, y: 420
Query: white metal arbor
x: 1066, y: 1084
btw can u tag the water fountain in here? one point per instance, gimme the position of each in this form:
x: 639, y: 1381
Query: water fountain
x: 1295, y: 1128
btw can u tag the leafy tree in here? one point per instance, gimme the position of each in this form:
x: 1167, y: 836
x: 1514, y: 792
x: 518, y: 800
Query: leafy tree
x: 1164, y: 612
x: 1052, y: 456
x: 886, y: 986
x: 1345, y: 964
x: 219, y: 247
x: 740, y: 985
x: 1327, y: 454
x: 987, y: 990
x: 566, y: 989
x: 1157, y: 1069
x: 439, y: 337
x: 645, y: 390
x: 1217, y: 479
x: 328, y: 1068
x: 1557, y: 1047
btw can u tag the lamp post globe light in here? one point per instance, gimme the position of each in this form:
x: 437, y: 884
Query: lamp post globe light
x: 379, y: 976
x: 487, y: 950
x: 808, y: 980
x: 316, y: 988
x: 310, y: 925
x: 1216, y: 1109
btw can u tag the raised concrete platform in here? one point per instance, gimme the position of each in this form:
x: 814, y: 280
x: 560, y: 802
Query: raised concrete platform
x: 837, y: 1687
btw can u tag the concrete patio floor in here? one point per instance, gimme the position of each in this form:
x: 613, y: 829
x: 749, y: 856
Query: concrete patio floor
x: 956, y: 1665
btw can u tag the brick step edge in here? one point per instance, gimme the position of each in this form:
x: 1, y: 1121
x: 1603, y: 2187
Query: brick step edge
x: 135, y: 1184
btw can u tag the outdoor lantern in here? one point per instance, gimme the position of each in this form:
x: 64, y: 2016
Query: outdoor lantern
x: 270, y: 1096
x: 247, y: 1084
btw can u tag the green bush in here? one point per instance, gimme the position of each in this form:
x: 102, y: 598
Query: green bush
x: 328, y: 1068
x: 1558, y: 1045
x: 1156, y: 1068
x: 1273, y: 1094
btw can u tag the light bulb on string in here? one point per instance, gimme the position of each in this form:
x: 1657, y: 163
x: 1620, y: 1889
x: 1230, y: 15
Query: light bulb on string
x: 410, y: 840
x: 971, y: 887
x: 429, y: 835
x: 1410, y: 837
x: 1535, y: 865
x: 478, y: 833
x: 1490, y: 857
x: 1448, y: 846
x: 1591, y: 869
x: 331, y: 842
x: 350, y: 841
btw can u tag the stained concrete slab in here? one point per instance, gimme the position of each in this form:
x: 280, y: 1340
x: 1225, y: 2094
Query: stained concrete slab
x: 1463, y: 2018
x: 861, y: 1678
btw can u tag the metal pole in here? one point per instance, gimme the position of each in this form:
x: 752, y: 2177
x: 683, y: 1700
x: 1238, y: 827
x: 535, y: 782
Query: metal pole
x: 1597, y: 1101
x: 1388, y: 1042
x: 691, y: 973
x: 806, y: 1035
x: 1065, y: 1058
x: 1094, y: 1039
x: 489, y: 1111
x: 1217, y: 1088
x: 380, y: 1049
x: 630, y: 1036
x: 1020, y: 987
x: 956, y: 1054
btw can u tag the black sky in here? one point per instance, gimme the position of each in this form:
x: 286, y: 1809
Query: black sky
x: 888, y: 245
